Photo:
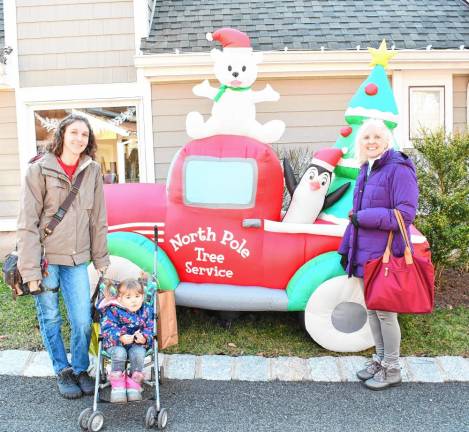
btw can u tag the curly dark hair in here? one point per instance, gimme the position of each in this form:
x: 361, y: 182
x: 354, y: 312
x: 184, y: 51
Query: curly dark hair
x: 57, y: 145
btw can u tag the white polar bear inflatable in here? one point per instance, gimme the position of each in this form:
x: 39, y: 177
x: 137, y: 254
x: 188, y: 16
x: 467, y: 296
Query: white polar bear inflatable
x: 234, y: 109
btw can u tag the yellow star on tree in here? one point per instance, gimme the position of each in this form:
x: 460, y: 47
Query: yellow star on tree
x: 381, y: 56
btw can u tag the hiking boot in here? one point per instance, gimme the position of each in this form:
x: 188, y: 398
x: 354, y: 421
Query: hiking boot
x: 68, y: 387
x: 118, y: 393
x: 85, y: 382
x: 371, y: 368
x: 134, y: 387
x: 384, y: 378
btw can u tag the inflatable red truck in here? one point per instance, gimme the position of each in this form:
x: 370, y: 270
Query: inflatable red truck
x: 223, y: 246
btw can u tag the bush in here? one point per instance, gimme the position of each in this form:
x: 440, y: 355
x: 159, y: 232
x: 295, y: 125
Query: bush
x: 442, y: 168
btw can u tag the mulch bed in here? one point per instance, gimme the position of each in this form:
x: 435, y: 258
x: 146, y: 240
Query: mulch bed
x: 454, y: 290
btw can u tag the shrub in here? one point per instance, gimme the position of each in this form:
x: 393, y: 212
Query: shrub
x: 442, y: 163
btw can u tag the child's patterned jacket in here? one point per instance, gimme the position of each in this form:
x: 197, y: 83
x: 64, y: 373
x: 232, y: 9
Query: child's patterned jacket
x: 117, y: 321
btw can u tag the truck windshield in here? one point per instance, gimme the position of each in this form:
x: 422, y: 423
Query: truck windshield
x: 220, y: 183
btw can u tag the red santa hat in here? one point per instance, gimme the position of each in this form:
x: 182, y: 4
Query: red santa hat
x: 328, y: 157
x: 230, y: 38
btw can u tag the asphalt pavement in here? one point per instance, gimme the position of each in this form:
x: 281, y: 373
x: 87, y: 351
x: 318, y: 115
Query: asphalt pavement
x: 32, y: 404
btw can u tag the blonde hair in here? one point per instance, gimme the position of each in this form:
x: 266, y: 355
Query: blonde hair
x: 379, y: 124
x: 129, y: 285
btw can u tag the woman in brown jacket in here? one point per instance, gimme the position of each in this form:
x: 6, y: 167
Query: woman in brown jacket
x: 78, y: 238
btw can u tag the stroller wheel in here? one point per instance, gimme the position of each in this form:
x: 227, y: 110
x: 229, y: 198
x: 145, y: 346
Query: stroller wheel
x: 150, y: 417
x: 83, y: 418
x: 95, y: 422
x: 162, y: 418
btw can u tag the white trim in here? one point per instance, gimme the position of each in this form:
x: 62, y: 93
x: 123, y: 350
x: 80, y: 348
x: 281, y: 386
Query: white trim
x: 405, y: 79
x: 145, y: 116
x: 441, y: 114
x: 11, y: 77
x: 7, y: 225
x: 372, y: 113
x: 141, y: 22
x: 349, y: 163
x: 322, y: 164
x: 319, y: 229
x: 135, y: 225
x: 31, y: 99
x: 467, y: 104
x: 194, y: 66
x: 334, y: 219
x: 296, y: 228
x: 399, y: 90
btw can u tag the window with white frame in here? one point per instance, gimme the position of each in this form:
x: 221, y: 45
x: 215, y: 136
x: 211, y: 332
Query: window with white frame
x: 426, y: 109
x: 115, y: 130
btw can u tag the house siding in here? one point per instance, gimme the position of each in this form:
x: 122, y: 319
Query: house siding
x: 460, y: 89
x: 10, y: 177
x: 313, y: 110
x: 62, y: 42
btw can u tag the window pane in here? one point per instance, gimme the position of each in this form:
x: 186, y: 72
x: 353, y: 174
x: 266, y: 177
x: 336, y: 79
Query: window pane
x: 115, y: 130
x: 229, y: 183
x: 426, y: 109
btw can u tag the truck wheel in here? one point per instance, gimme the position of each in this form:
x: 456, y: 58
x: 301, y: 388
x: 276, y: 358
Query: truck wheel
x: 336, y: 317
x: 119, y: 269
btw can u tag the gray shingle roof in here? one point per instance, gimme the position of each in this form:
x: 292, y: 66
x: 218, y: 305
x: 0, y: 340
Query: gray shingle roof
x: 2, y: 27
x: 308, y: 25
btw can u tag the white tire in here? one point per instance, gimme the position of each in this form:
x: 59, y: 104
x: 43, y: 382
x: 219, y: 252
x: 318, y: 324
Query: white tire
x: 336, y: 317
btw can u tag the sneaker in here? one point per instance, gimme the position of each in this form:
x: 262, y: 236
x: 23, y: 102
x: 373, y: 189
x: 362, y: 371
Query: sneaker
x: 384, y: 378
x: 371, y: 368
x: 118, y: 392
x: 68, y: 387
x: 134, y: 387
x: 85, y: 382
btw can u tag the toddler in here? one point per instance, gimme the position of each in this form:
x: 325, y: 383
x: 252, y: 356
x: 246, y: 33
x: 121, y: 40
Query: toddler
x: 127, y: 331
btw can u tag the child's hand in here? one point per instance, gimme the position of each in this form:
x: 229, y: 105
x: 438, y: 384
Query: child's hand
x: 126, y: 339
x: 139, y: 338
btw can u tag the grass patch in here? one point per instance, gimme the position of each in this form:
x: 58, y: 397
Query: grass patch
x: 261, y: 333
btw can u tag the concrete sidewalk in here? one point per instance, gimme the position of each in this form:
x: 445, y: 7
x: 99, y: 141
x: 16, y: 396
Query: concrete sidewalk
x: 256, y: 368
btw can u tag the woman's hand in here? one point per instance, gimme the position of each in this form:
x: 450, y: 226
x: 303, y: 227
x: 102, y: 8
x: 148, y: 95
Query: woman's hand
x: 139, y: 338
x: 126, y: 339
x: 34, y: 286
x: 102, y: 271
x: 353, y: 218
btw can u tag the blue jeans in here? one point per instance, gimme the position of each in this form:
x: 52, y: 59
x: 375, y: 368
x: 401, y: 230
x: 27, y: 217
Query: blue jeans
x: 135, y: 353
x: 75, y: 286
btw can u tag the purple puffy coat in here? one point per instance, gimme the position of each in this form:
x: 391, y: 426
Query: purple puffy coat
x: 392, y: 183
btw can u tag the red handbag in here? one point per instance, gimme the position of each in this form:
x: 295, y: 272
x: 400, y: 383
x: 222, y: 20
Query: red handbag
x: 403, y: 285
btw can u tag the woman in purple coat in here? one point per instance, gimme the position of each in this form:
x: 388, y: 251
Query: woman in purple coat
x: 386, y: 181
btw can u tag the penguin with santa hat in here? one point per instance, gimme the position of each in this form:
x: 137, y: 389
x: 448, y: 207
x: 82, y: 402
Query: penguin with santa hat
x: 309, y: 195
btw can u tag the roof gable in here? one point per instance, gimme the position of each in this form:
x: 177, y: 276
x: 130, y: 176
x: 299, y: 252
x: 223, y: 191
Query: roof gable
x: 310, y: 25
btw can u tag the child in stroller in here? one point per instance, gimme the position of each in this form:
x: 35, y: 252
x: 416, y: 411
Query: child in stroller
x: 127, y: 332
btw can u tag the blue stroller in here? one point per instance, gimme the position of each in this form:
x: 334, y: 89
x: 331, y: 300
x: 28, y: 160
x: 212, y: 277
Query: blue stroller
x: 91, y: 419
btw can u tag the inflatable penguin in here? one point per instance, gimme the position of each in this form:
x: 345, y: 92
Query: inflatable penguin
x: 309, y: 194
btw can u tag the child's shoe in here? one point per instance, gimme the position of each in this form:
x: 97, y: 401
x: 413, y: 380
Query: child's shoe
x: 118, y: 392
x: 134, y: 386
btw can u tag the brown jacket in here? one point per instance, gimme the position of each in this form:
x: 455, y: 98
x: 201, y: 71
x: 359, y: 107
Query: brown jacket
x: 82, y: 233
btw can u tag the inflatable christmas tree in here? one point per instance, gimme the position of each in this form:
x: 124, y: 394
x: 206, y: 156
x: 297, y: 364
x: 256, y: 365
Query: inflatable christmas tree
x: 373, y: 99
